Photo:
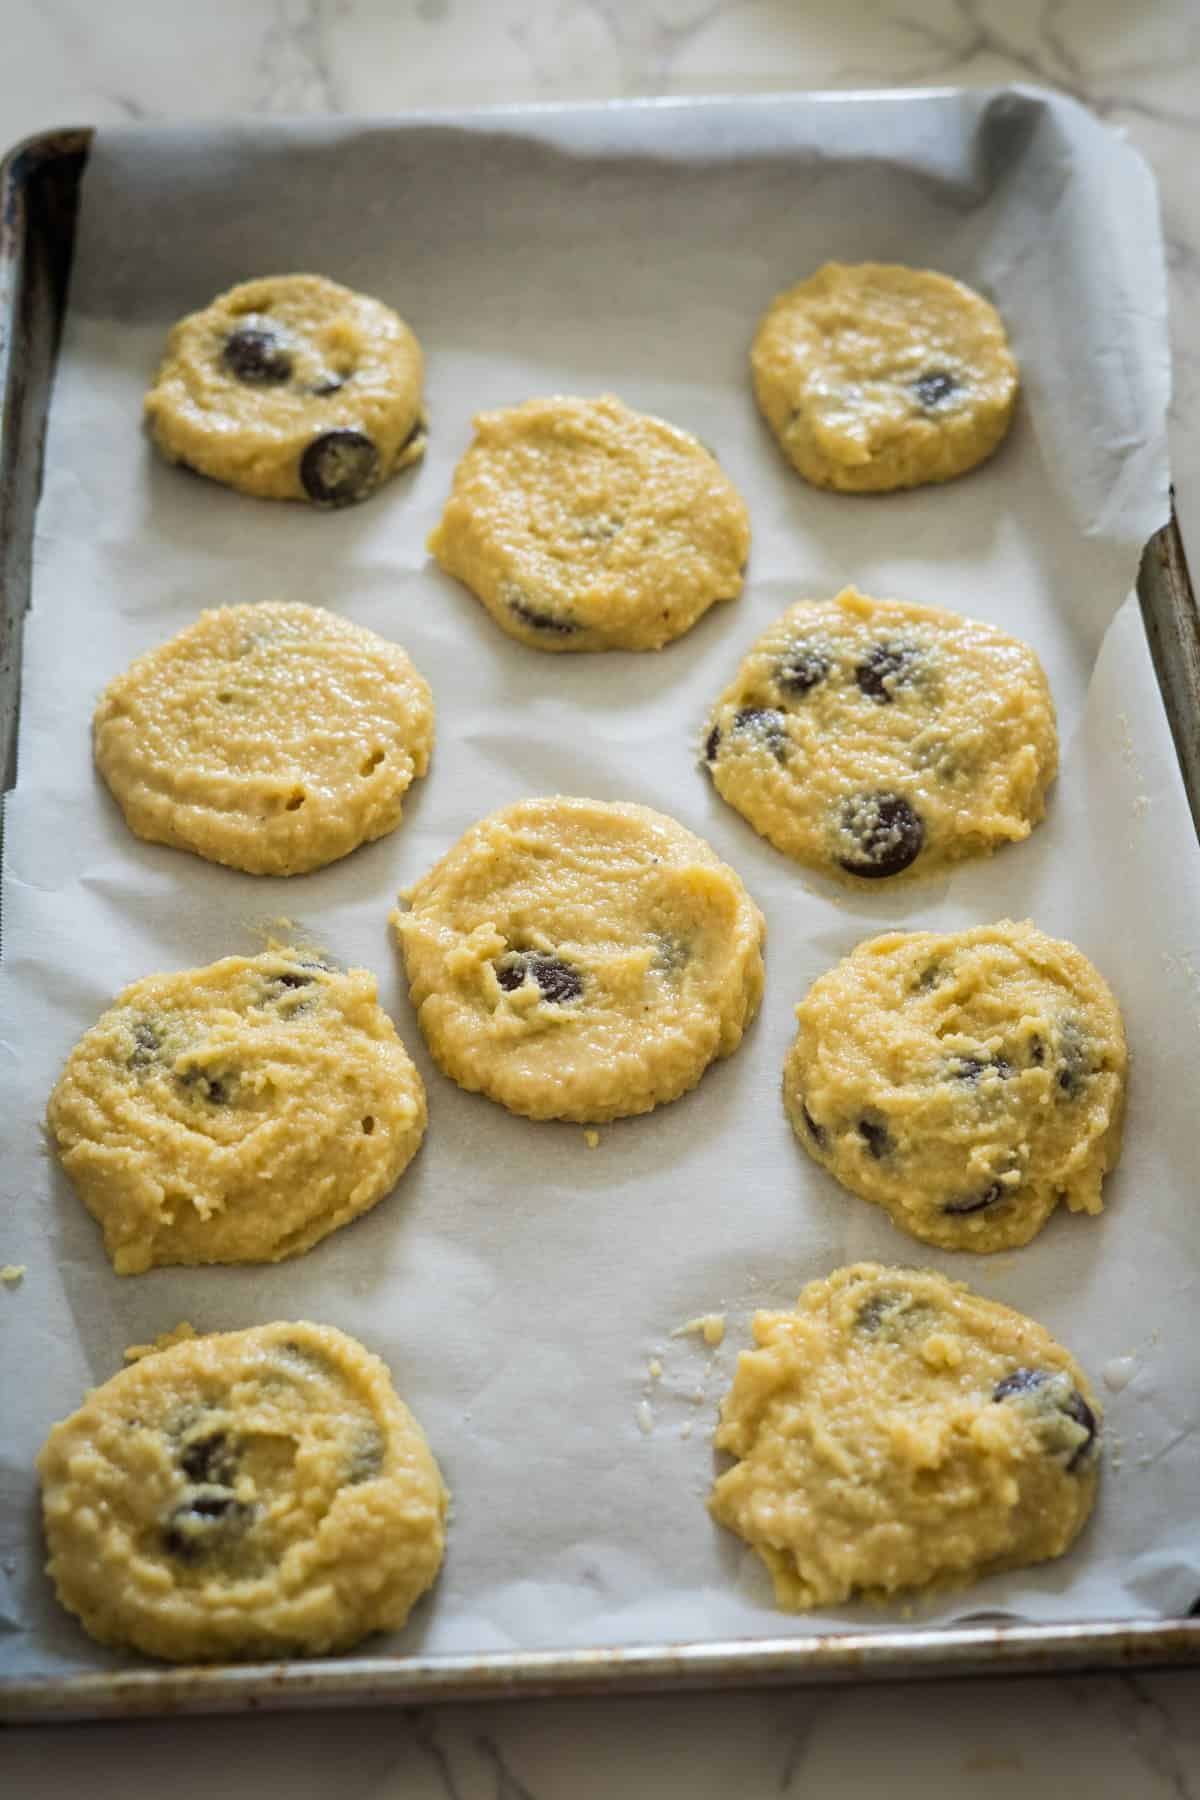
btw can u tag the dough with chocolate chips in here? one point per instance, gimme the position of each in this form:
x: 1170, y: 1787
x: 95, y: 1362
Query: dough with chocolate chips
x: 875, y: 376
x: 967, y: 1082
x: 255, y: 1493
x: 896, y: 1431
x: 582, y: 525
x: 291, y: 388
x: 236, y: 1113
x: 273, y: 738
x: 873, y: 739
x: 579, y: 960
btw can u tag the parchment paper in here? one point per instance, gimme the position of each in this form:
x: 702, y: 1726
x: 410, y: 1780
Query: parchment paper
x: 518, y: 1283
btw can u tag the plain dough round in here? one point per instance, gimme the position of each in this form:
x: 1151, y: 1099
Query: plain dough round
x: 291, y: 388
x: 875, y: 376
x: 272, y: 738
x: 582, y: 525
x: 580, y: 960
x: 897, y: 1431
x: 236, y: 1113
x: 964, y: 1082
x: 256, y: 1493
x: 871, y: 738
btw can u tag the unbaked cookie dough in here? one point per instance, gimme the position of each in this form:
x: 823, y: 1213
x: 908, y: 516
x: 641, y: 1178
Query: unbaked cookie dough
x: 868, y: 738
x: 291, y: 388
x: 875, y: 376
x: 272, y: 738
x: 584, y: 526
x: 236, y: 1113
x: 580, y: 960
x: 896, y: 1431
x: 251, y: 1494
x: 964, y: 1082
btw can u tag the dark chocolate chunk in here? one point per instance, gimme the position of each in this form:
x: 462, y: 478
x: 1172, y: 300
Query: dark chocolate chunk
x: 884, y: 668
x: 817, y: 1132
x: 215, y: 1090
x: 801, y: 670
x: 1053, y: 1393
x: 970, y: 1068
x: 366, y: 1462
x: 208, y: 1459
x: 768, y: 725
x: 934, y: 388
x: 1073, y: 1062
x: 975, y: 1202
x: 557, y: 980
x: 210, y: 1519
x: 541, y: 621
x: 145, y: 1045
x: 877, y: 1138
x: 712, y: 744
x: 256, y: 354
x: 511, y: 976
x: 887, y: 832
x: 332, y: 384
x: 339, y: 467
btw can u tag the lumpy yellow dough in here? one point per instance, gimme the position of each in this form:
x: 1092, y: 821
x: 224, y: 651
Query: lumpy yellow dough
x: 582, y: 525
x: 965, y: 1082
x: 873, y: 739
x: 251, y: 1494
x: 896, y: 1431
x: 272, y: 738
x: 580, y: 960
x: 236, y: 1113
x: 874, y: 376
x: 291, y: 388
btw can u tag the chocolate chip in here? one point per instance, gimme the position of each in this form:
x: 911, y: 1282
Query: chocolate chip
x: 339, y: 467
x: 212, y: 1518
x: 887, y: 832
x: 145, y: 1045
x: 333, y: 384
x: 802, y: 669
x: 1037, y: 1051
x: 541, y: 621
x: 256, y: 354
x: 877, y: 1138
x: 889, y: 1309
x: 768, y: 725
x: 934, y: 388
x: 1056, y: 1399
x: 712, y: 744
x: 817, y: 1132
x: 366, y: 1461
x: 215, y: 1090
x: 557, y: 980
x: 208, y: 1459
x: 970, y: 1068
x: 975, y: 1202
x: 1073, y: 1061
x: 885, y: 667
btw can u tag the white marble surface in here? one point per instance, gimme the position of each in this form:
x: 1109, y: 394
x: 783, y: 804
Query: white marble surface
x: 76, y: 62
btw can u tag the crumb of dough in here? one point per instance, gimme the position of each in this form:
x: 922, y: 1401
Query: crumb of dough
x: 12, y: 1274
x: 709, y: 1326
x: 645, y: 1418
x: 655, y: 1368
x: 179, y: 1335
x: 591, y: 1139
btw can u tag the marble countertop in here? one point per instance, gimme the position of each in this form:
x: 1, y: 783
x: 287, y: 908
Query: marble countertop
x: 71, y: 62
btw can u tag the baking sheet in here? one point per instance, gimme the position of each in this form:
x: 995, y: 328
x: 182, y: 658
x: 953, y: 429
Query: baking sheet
x: 518, y: 1283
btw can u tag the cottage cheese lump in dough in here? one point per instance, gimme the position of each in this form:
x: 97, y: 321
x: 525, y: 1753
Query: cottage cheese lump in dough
x: 582, y: 525
x: 273, y: 738
x: 965, y: 1082
x: 257, y: 1493
x: 580, y: 960
x: 871, y: 738
x: 236, y: 1113
x: 896, y: 1431
x: 875, y: 376
x: 291, y: 388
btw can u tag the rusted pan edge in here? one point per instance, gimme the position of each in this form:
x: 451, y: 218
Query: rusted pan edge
x: 655, y: 1668
x: 39, y: 197
x: 1173, y: 629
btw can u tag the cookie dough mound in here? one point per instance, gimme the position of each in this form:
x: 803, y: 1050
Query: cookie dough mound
x: 577, y: 960
x: 236, y: 1113
x: 896, y: 1431
x: 256, y: 1493
x: 272, y: 738
x: 291, y: 388
x: 869, y: 738
x: 965, y: 1082
x: 874, y: 376
x: 584, y: 526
